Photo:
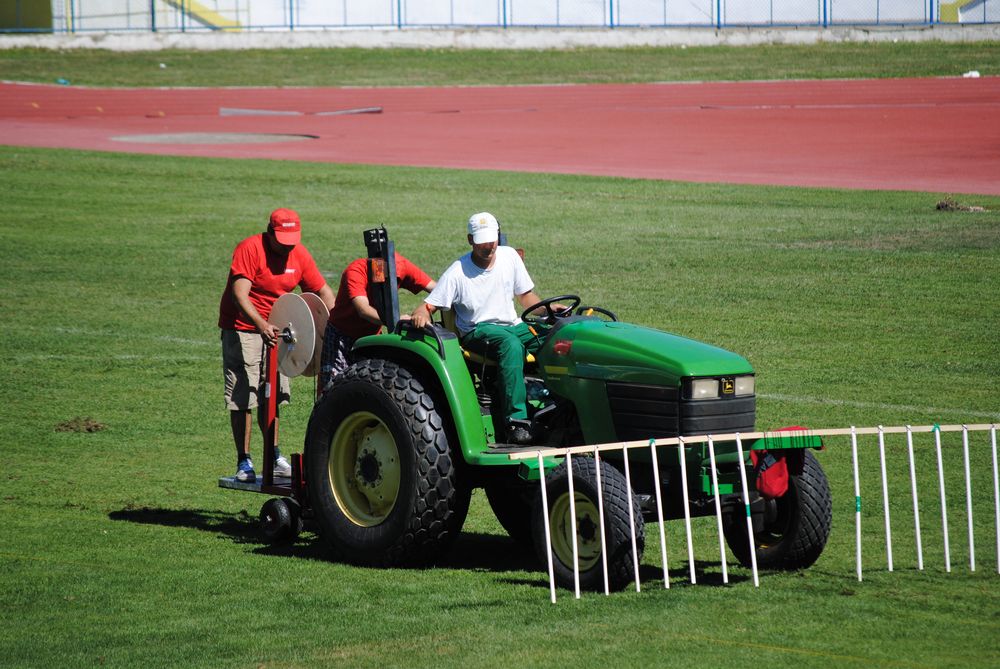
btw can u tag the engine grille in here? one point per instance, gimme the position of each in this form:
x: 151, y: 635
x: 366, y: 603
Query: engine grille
x: 644, y: 411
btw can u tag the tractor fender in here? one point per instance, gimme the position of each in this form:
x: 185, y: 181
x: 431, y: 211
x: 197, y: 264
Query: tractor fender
x: 439, y: 363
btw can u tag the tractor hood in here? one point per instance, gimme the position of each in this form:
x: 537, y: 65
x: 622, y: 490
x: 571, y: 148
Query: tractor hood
x: 598, y: 349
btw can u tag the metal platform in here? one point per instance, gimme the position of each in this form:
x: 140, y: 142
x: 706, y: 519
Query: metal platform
x: 281, y: 484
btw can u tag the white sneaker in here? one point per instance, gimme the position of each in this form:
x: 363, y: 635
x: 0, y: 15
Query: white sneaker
x: 282, y: 467
x: 244, y: 471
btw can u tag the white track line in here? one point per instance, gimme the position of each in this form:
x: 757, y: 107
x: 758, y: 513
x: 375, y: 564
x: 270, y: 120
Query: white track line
x: 878, y: 405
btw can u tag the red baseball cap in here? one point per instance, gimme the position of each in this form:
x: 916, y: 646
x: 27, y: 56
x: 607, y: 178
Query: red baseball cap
x: 286, y: 226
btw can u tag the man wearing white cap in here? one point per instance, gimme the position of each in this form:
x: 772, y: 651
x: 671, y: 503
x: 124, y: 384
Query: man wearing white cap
x: 479, y: 287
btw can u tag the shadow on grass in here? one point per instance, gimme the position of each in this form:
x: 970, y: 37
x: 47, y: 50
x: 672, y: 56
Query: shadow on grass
x: 471, y: 551
x: 474, y: 551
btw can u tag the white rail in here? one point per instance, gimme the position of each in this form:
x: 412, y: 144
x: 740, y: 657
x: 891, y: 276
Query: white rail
x: 740, y: 439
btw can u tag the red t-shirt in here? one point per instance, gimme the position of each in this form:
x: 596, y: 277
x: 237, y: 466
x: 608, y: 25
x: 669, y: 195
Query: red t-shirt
x: 354, y: 283
x: 271, y: 274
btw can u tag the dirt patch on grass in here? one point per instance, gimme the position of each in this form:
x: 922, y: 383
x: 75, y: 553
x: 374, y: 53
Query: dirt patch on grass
x: 79, y: 424
x: 951, y: 204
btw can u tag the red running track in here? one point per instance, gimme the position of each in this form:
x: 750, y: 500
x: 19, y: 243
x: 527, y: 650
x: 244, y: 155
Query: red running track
x: 939, y: 135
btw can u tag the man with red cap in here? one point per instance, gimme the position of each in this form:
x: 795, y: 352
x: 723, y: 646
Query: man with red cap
x: 264, y: 267
x: 354, y: 316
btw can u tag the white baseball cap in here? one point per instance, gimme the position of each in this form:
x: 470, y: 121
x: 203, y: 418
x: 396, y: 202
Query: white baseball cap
x: 484, y: 228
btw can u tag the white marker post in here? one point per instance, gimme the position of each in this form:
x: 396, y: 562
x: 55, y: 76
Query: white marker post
x: 659, y: 514
x: 746, y: 506
x: 968, y: 497
x: 913, y: 488
x: 545, y: 520
x: 944, y: 505
x: 718, y: 510
x: 857, y: 497
x: 600, y: 517
x: 572, y: 523
x: 996, y: 490
x: 687, y: 509
x: 885, y: 497
x: 631, y: 520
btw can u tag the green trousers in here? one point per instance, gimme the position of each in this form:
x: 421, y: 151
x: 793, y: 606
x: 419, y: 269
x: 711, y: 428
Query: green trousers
x: 508, y: 344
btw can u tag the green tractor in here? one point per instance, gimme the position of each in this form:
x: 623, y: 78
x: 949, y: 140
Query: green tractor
x: 396, y: 444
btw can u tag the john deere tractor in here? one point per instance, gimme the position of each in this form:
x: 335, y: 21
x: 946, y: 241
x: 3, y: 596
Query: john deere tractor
x: 398, y: 442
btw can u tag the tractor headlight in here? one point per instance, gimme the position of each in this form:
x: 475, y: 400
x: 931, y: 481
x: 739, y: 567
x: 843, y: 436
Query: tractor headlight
x: 704, y: 389
x: 744, y: 386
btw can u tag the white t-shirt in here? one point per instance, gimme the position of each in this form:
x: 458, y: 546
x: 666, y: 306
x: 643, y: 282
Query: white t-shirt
x: 482, y: 295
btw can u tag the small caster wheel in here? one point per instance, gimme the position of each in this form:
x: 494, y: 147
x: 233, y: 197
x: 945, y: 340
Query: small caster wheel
x: 281, y: 520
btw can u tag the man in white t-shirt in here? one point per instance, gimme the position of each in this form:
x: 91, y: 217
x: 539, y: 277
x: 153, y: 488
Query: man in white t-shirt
x: 479, y: 287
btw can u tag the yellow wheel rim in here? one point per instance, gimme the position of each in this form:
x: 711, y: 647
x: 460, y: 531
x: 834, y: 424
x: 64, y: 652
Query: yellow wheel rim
x: 588, y: 531
x: 364, y: 469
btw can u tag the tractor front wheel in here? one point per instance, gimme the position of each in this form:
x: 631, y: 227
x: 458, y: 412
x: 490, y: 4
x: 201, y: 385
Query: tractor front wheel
x: 796, y: 525
x: 616, y: 528
x: 381, y: 476
x: 512, y: 506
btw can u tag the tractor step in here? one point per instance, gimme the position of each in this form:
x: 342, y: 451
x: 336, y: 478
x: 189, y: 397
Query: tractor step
x: 518, y: 448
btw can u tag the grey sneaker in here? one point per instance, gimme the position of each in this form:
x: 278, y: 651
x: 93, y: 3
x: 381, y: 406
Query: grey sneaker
x: 244, y: 471
x: 282, y: 468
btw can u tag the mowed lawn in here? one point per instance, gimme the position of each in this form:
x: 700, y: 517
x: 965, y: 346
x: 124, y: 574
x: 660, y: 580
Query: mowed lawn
x: 442, y: 67
x: 118, y: 549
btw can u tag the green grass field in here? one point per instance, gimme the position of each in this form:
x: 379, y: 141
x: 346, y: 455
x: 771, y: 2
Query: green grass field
x: 119, y: 549
x: 854, y: 307
x: 438, y: 67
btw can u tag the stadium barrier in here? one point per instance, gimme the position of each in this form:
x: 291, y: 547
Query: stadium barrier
x: 739, y: 439
x: 82, y: 16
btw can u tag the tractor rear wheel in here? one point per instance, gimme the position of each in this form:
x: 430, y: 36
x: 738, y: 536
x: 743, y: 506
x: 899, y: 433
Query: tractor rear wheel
x: 381, y: 475
x: 617, y: 532
x: 796, y: 525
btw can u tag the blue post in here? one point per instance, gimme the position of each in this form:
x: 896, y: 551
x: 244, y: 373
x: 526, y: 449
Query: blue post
x: 183, y: 16
x: 152, y: 15
x: 611, y: 13
x: 291, y: 14
x: 826, y: 17
x: 718, y: 14
x: 504, y: 17
x: 399, y: 14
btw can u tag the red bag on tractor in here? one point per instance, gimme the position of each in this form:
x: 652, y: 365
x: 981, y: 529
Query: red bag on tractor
x: 771, y: 469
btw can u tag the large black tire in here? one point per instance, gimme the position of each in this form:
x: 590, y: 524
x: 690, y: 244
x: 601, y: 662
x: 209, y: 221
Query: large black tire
x: 381, y: 474
x: 796, y: 525
x: 617, y: 497
x: 512, y: 506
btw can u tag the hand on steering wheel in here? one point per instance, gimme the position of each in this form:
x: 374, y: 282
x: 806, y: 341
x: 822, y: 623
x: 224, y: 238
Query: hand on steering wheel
x: 550, y: 314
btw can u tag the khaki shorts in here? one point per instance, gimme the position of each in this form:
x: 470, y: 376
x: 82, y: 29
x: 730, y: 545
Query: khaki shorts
x: 243, y: 369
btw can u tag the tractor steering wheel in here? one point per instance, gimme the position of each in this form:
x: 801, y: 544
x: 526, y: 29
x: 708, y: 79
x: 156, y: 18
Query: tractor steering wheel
x: 550, y: 315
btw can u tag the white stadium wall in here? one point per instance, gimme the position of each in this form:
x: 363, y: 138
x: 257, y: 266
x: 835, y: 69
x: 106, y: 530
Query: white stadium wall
x: 205, y: 15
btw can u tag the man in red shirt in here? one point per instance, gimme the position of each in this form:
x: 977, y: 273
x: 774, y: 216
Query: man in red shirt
x: 264, y: 267
x: 353, y: 315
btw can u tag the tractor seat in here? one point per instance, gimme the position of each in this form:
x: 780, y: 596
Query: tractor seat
x: 471, y: 357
